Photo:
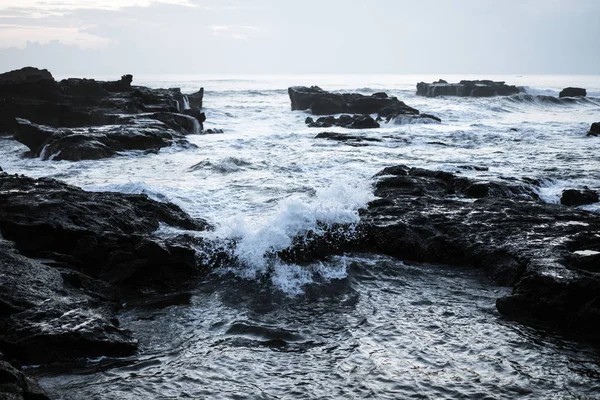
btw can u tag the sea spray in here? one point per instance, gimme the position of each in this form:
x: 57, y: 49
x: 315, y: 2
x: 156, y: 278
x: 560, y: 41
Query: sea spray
x: 258, y: 242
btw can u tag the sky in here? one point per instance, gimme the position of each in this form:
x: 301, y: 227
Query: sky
x: 293, y: 37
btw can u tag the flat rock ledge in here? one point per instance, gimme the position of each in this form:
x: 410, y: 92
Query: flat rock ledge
x: 69, y: 259
x: 321, y: 102
x: 81, y: 119
x: 548, y: 253
x: 479, y: 88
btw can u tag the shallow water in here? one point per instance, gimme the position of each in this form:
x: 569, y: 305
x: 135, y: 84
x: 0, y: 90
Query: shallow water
x: 358, y: 326
x: 387, y: 331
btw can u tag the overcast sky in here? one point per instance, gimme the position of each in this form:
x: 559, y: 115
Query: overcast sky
x: 308, y: 36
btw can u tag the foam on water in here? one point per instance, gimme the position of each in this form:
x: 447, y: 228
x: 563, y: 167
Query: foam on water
x: 258, y: 241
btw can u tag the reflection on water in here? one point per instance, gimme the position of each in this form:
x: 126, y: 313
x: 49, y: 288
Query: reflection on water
x: 387, y: 331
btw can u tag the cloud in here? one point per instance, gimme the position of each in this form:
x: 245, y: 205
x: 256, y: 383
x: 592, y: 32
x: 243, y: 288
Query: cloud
x: 12, y: 35
x: 57, y: 7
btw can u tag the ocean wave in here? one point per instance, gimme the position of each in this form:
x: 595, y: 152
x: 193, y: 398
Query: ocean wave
x: 224, y: 166
x: 550, y: 100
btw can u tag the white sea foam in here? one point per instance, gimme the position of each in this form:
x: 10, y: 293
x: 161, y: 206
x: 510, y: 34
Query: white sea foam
x: 258, y: 241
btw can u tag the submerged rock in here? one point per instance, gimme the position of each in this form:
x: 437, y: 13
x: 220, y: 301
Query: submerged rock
x: 438, y: 217
x: 344, y: 121
x: 573, y: 197
x: 95, y: 142
x: 594, y: 129
x: 321, y: 102
x: 343, y: 137
x: 88, y: 109
x: 573, y: 92
x: 479, y: 88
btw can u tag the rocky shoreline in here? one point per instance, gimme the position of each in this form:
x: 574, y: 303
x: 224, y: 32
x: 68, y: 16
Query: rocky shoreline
x: 69, y: 259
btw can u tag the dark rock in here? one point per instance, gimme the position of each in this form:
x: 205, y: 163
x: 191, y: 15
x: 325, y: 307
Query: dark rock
x: 101, y: 142
x: 196, y: 99
x: 213, y: 131
x: 343, y: 137
x: 594, y: 129
x: 26, y: 74
x: 107, y: 108
x: 345, y: 121
x: 107, y: 236
x: 541, y: 249
x: 14, y: 385
x: 573, y: 92
x: 321, y: 102
x: 480, y: 88
x: 573, y: 197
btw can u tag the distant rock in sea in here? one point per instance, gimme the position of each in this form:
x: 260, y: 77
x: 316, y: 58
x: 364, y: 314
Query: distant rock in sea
x: 479, y: 88
x: 321, y: 102
x: 573, y: 92
x: 594, y: 129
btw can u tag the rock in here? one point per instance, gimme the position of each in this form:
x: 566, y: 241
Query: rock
x: 14, y: 385
x: 321, y: 102
x: 345, y: 121
x: 95, y: 143
x: 108, y: 236
x: 479, y: 88
x: 573, y: 197
x: 573, y: 92
x: 196, y: 99
x: 343, y: 137
x: 594, y: 129
x: 540, y: 249
x: 101, y: 107
x: 26, y: 74
x: 213, y: 131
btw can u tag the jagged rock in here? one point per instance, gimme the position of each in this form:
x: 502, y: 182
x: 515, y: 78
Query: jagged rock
x: 541, y: 249
x: 343, y: 137
x: 99, y: 142
x: 75, y: 103
x: 15, y: 385
x: 345, y: 121
x: 573, y: 197
x: 594, y: 129
x: 480, y: 88
x: 196, y: 99
x: 321, y: 102
x: 107, y: 236
x: 573, y: 92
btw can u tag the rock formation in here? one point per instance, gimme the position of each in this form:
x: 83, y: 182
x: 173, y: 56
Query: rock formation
x: 481, y: 88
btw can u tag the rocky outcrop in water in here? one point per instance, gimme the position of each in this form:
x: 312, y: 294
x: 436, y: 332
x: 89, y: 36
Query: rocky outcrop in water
x: 353, y: 140
x: 594, y: 129
x: 574, y: 197
x: 549, y: 253
x: 479, y: 88
x: 573, y: 92
x: 344, y: 121
x: 321, y: 102
x: 95, y: 249
x: 88, y: 119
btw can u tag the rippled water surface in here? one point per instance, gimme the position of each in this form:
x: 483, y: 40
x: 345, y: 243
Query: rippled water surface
x: 355, y: 327
x: 386, y: 331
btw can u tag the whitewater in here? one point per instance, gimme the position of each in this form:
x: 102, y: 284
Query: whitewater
x: 354, y: 326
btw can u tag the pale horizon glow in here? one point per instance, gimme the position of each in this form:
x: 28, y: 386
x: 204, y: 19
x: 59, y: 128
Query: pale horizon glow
x: 314, y: 36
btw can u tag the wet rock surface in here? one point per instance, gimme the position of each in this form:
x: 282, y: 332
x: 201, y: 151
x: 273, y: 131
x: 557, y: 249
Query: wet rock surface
x: 344, y: 121
x: 573, y: 92
x: 321, y: 102
x: 87, y: 252
x: 346, y: 138
x: 478, y: 88
x: 594, y: 129
x: 542, y: 250
x: 81, y: 119
x: 574, y: 197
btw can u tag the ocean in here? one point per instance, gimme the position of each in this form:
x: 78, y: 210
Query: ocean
x: 355, y: 326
